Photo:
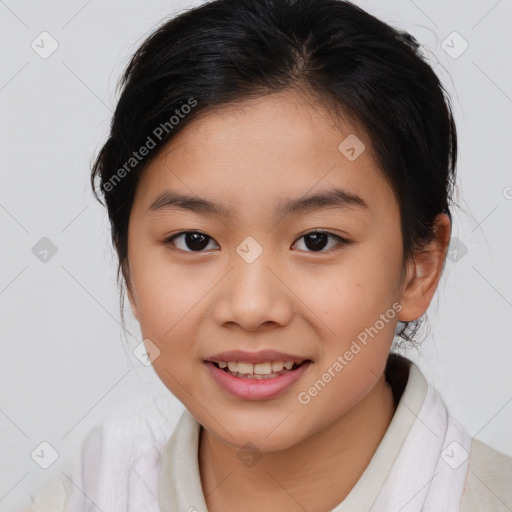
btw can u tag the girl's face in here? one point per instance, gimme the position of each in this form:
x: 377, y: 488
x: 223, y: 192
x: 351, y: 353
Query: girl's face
x: 258, y: 279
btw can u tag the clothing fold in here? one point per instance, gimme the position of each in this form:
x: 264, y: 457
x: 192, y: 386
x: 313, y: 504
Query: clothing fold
x: 425, y: 462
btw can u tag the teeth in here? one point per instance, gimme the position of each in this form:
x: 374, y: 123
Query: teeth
x: 277, y: 366
x: 256, y: 369
x: 245, y: 368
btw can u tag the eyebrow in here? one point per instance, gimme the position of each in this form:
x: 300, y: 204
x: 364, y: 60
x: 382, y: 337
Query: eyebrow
x: 332, y: 198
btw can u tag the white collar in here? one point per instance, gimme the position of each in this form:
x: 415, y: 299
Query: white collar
x: 412, y: 469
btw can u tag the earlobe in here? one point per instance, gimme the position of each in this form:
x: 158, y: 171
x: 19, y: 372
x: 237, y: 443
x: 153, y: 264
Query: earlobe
x: 424, y: 272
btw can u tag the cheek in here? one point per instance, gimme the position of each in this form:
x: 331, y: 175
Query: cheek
x: 355, y: 305
x: 167, y: 311
x: 356, y: 290
x: 163, y: 295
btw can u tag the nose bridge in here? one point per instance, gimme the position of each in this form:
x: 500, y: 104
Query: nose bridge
x: 251, y: 273
x: 252, y: 294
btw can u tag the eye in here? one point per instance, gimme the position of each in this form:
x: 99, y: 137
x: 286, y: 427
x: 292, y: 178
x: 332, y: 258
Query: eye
x: 196, y: 241
x: 193, y: 239
x: 316, y: 240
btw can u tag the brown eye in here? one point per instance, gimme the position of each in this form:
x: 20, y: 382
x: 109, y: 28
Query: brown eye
x: 316, y: 241
x: 192, y: 241
x: 195, y: 241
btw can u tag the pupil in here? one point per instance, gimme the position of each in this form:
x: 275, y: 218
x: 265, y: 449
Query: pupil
x: 317, y: 243
x: 193, y: 241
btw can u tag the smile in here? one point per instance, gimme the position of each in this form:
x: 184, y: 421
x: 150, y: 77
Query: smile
x: 265, y: 370
x: 256, y: 381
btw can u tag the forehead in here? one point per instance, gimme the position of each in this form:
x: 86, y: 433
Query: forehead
x: 277, y: 146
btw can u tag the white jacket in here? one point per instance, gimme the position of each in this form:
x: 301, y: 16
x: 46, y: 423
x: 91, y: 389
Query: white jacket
x: 425, y: 462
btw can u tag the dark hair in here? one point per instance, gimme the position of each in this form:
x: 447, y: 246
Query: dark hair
x: 227, y: 51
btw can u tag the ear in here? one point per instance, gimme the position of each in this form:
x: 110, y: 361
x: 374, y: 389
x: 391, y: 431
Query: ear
x: 424, y: 272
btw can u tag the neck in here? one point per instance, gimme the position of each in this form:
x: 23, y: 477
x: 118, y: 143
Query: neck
x: 315, y: 475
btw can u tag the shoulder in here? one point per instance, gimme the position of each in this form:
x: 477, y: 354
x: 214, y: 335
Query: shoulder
x: 120, y: 454
x: 489, y: 480
x: 50, y: 497
x: 55, y: 493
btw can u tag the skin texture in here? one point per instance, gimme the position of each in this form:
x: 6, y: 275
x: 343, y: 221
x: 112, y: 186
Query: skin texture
x: 303, y: 301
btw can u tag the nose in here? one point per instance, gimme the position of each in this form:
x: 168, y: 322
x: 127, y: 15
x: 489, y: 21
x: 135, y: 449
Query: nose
x: 254, y: 295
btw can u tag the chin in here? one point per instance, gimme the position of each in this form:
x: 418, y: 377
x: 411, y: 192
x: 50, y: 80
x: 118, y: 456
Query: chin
x: 269, y: 434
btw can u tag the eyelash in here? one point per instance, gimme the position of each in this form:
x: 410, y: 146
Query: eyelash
x: 341, y: 241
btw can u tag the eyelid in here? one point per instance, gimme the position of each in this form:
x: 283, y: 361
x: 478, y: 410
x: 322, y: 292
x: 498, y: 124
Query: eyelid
x: 342, y: 241
x: 169, y: 240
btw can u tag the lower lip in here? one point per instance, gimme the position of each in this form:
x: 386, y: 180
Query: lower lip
x: 256, y: 389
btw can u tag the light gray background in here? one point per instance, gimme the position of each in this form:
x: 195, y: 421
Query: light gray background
x: 64, y: 363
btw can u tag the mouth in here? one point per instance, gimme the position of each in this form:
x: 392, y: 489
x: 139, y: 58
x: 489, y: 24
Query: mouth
x: 261, y: 381
x: 259, y: 371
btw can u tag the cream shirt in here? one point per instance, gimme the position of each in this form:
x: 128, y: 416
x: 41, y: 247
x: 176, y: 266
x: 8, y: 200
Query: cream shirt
x: 121, y: 472
x: 488, y: 485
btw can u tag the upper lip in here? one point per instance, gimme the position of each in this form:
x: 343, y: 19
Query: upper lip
x: 262, y: 356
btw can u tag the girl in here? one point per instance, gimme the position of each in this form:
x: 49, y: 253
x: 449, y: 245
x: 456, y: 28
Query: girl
x: 278, y: 179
